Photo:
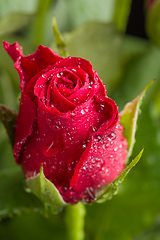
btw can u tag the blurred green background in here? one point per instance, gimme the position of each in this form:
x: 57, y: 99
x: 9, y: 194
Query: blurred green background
x: 95, y: 30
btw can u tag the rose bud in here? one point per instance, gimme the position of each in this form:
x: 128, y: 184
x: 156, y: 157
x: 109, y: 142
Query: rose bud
x: 66, y: 123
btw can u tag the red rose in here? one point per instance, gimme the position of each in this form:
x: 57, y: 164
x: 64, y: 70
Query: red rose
x: 66, y: 123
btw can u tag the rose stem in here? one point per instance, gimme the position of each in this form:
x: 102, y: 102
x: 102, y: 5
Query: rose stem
x: 75, y: 215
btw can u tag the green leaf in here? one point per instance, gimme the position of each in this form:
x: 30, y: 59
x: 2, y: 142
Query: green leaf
x: 14, y: 14
x: 12, y: 22
x: 155, y: 104
x: 10, y: 6
x: 79, y: 12
x: 153, y: 22
x: 128, y: 119
x: 8, y: 119
x: 46, y: 192
x: 114, y: 186
x: 121, y: 13
x: 13, y: 198
x: 151, y: 234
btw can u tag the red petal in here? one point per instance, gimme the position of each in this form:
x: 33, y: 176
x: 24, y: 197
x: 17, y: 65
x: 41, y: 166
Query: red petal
x: 14, y: 50
x: 29, y: 66
x: 26, y: 117
x: 102, y: 163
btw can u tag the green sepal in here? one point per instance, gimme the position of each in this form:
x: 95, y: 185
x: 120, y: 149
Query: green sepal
x: 46, y: 192
x: 128, y: 119
x: 113, y: 187
x: 59, y: 39
x: 8, y: 118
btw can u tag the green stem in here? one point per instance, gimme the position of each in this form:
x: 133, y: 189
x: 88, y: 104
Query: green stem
x: 38, y: 25
x: 75, y: 221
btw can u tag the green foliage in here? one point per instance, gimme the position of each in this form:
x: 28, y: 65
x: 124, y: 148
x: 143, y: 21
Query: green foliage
x: 15, y: 14
x: 121, y: 13
x: 14, y: 199
x: 126, y: 65
x: 153, y: 23
x: 78, y: 12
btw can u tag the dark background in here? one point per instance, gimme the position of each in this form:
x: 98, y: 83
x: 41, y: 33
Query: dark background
x: 136, y: 20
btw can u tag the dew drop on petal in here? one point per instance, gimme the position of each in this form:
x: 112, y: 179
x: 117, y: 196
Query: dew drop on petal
x: 72, y: 114
x: 84, y: 146
x: 97, y: 138
x: 115, y: 149
x: 74, y: 70
x: 51, y: 149
x: 101, y: 109
x: 82, y: 111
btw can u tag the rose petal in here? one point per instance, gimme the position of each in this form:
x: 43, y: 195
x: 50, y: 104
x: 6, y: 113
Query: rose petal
x: 26, y: 117
x: 28, y: 66
x: 108, y: 108
x: 102, y: 162
x: 14, y: 50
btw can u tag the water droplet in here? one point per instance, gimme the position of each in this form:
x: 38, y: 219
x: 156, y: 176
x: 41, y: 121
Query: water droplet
x: 104, y: 146
x: 53, y: 167
x: 55, y: 127
x: 115, y: 149
x: 28, y: 156
x: 73, y: 114
x: 51, y: 149
x: 113, y: 135
x: 84, y: 146
x: 60, y: 74
x: 98, y: 138
x: 82, y: 111
x: 101, y: 109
